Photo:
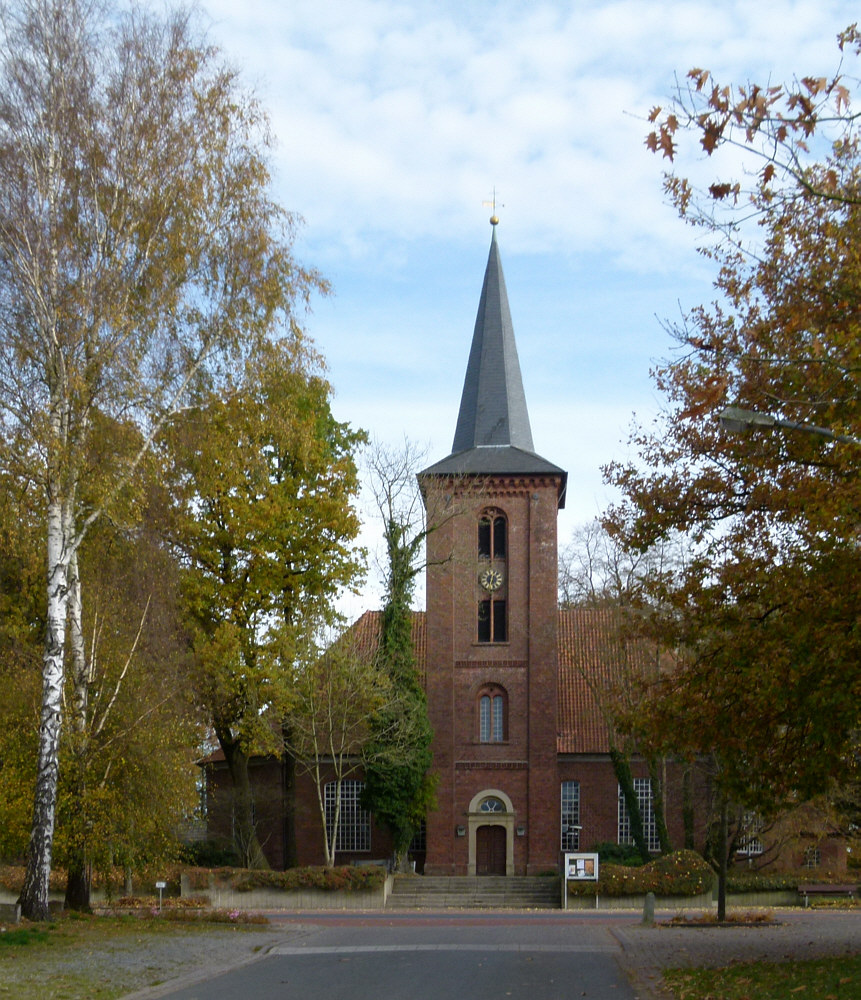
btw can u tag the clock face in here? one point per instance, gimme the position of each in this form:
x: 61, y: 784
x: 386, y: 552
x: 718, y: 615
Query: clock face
x: 490, y: 579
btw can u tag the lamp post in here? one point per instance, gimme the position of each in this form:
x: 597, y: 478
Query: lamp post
x: 737, y: 420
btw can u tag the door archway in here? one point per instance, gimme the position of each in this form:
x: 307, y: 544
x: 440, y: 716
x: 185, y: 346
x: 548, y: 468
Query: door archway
x: 490, y: 850
x: 491, y: 834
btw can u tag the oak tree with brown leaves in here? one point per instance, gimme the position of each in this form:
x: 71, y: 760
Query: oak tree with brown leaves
x: 764, y: 616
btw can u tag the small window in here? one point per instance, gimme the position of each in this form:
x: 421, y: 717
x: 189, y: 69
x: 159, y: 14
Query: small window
x: 570, y: 815
x: 499, y: 538
x: 500, y: 632
x: 419, y: 843
x: 812, y: 857
x: 492, y: 620
x: 492, y: 536
x: 749, y: 844
x: 492, y: 612
x: 492, y: 716
x: 492, y: 805
x: 354, y: 822
x: 484, y: 533
x: 643, y: 791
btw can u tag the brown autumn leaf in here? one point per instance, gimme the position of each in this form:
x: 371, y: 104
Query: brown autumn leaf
x: 720, y: 191
x: 711, y: 137
x: 699, y: 76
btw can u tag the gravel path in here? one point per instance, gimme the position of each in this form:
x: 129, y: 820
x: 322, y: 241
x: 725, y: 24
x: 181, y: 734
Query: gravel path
x: 134, y: 964
x: 149, y: 965
x: 795, y: 934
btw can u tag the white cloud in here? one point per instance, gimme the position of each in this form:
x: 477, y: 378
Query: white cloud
x: 394, y: 120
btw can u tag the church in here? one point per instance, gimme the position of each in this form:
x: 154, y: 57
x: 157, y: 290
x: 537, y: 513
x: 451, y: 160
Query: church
x: 514, y: 684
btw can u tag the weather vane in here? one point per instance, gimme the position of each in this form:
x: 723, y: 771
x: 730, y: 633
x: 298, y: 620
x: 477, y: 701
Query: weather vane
x: 494, y: 219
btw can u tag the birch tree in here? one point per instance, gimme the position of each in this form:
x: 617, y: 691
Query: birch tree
x: 336, y: 693
x: 127, y: 774
x: 139, y: 247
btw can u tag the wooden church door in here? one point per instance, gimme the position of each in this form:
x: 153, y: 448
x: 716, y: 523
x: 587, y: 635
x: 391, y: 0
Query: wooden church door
x: 490, y: 843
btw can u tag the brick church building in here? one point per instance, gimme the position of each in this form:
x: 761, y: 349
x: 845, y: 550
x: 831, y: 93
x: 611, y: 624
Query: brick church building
x: 514, y: 684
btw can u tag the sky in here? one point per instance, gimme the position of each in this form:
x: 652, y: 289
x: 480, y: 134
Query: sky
x: 395, y: 122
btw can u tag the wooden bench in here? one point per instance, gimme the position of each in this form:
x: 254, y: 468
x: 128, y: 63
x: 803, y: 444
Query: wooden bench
x: 806, y: 891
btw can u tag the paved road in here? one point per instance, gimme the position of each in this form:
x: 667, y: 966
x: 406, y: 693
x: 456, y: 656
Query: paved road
x: 535, y: 954
x: 423, y: 957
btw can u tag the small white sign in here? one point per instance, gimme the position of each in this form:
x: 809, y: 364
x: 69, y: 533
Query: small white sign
x: 581, y: 867
x: 161, y: 885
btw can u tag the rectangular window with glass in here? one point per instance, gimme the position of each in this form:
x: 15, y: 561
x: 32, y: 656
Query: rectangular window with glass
x: 491, y: 718
x: 643, y: 791
x: 492, y: 621
x: 354, y: 825
x: 570, y: 815
x: 749, y: 844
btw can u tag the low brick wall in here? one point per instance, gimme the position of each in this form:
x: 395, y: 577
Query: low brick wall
x: 636, y: 902
x: 223, y: 897
x: 677, y: 904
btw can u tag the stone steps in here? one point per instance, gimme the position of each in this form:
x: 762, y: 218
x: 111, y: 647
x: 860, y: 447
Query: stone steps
x: 417, y: 892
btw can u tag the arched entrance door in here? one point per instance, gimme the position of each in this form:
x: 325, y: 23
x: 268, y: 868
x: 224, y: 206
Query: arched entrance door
x: 490, y: 821
x: 490, y: 848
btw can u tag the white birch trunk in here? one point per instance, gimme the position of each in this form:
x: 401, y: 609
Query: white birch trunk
x: 34, y: 895
x: 77, y: 874
x: 77, y: 648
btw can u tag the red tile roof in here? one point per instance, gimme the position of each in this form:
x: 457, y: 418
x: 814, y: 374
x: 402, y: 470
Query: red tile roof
x: 365, y: 633
x: 595, y: 657
x: 596, y: 660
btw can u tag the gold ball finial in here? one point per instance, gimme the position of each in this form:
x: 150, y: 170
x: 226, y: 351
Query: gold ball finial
x: 493, y: 205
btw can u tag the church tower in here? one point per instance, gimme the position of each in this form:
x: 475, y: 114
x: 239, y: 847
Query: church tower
x: 492, y: 619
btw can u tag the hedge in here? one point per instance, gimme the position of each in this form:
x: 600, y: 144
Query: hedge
x: 683, y: 873
x: 349, y: 878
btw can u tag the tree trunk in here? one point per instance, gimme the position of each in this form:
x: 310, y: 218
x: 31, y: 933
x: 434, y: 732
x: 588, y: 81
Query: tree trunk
x: 291, y: 859
x: 78, y: 884
x: 723, y: 837
x: 658, y: 806
x: 688, y: 806
x: 78, y: 869
x: 622, y: 770
x: 401, y: 863
x: 34, y: 895
x: 244, y: 827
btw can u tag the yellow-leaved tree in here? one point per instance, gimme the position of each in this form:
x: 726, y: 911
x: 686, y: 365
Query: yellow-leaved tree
x: 264, y: 483
x: 139, y: 247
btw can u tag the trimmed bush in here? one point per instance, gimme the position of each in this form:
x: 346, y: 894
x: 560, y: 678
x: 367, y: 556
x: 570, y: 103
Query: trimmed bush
x: 349, y: 878
x: 617, y: 854
x: 683, y: 873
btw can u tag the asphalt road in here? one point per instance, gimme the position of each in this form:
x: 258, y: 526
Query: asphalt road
x: 421, y: 957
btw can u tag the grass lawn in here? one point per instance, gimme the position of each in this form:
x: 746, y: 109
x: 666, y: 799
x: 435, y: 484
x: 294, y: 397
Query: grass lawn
x: 818, y: 979
x: 102, y: 958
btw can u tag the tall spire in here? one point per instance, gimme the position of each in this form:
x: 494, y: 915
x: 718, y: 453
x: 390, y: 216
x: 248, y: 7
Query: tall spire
x: 493, y: 434
x: 493, y: 405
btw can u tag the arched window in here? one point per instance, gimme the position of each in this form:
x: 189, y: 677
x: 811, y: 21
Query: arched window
x: 492, y: 618
x: 492, y: 536
x: 492, y: 715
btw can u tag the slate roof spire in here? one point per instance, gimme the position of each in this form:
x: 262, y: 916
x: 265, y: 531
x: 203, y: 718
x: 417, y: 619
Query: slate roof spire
x: 493, y: 405
x: 493, y: 433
